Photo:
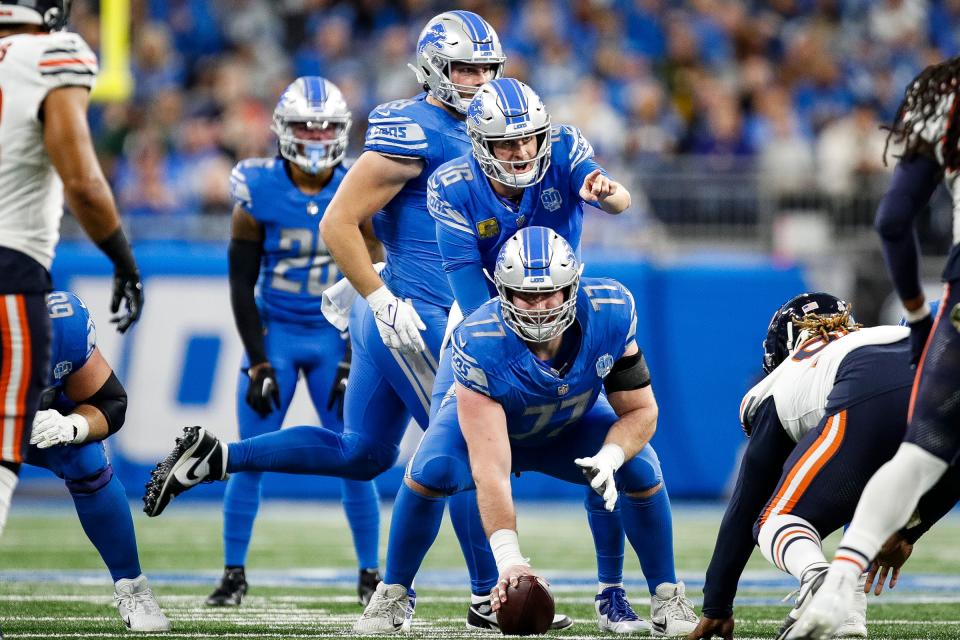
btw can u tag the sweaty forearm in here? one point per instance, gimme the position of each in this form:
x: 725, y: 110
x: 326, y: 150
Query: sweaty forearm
x: 99, y: 429
x: 633, y: 431
x: 91, y: 203
x: 495, y: 502
x: 349, y: 249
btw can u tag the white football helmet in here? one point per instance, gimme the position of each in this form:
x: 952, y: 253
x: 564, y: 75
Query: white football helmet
x: 312, y: 104
x: 455, y: 36
x: 49, y: 14
x: 537, y: 260
x: 507, y: 109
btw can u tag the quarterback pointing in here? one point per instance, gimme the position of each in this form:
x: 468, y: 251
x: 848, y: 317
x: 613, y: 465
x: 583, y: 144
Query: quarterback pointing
x: 47, y: 156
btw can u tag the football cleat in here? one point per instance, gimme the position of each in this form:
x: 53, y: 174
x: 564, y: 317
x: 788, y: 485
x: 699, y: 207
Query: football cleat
x: 810, y: 582
x: 671, y: 614
x: 828, y: 609
x: 615, y: 614
x: 198, y: 456
x: 367, y: 584
x: 389, y: 611
x: 855, y: 626
x: 481, y: 617
x: 137, y: 606
x: 230, y: 590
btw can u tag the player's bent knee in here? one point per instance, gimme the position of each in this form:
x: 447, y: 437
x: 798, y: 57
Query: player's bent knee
x: 367, y: 459
x: 443, y: 475
x: 415, y: 486
x: 646, y: 493
x: 91, y: 483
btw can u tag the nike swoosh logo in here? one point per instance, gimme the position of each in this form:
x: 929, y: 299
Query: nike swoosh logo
x: 659, y: 626
x: 126, y: 621
x: 191, y: 475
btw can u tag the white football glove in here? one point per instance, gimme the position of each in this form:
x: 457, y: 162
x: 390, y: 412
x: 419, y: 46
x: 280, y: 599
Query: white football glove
x: 51, y: 428
x: 397, y: 321
x: 600, y: 469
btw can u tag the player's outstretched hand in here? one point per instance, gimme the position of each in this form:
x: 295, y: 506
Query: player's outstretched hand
x: 712, y: 628
x: 510, y: 576
x: 600, y: 470
x: 398, y: 322
x: 893, y: 554
x: 263, y: 393
x: 597, y: 187
x: 127, y: 288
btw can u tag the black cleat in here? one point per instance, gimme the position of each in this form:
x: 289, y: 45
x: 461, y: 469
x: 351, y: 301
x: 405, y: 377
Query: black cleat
x: 480, y: 617
x: 367, y: 584
x: 230, y: 590
x: 198, y: 456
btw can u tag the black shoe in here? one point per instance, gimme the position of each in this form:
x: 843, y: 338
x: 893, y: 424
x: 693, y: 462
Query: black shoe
x: 481, y: 617
x: 198, y: 456
x: 367, y: 584
x: 230, y: 590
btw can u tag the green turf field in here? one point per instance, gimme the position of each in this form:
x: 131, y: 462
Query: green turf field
x: 52, y: 584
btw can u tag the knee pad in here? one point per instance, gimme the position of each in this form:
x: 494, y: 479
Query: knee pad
x: 91, y: 483
x: 442, y: 473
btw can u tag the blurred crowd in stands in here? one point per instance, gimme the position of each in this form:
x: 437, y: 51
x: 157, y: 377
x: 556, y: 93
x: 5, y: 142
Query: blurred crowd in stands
x: 797, y: 89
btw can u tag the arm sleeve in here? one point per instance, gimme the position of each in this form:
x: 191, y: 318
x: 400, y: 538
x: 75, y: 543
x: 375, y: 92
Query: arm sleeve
x: 914, y: 181
x: 244, y: 259
x: 469, y: 287
x: 760, y: 471
x: 935, y: 504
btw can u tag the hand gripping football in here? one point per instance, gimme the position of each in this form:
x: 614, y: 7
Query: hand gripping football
x: 529, y: 608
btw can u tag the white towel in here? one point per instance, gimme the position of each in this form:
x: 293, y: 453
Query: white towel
x: 338, y: 299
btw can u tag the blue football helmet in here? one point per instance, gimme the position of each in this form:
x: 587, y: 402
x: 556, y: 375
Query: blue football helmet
x: 537, y: 260
x: 312, y: 122
x: 49, y: 14
x: 507, y: 109
x: 783, y: 334
x: 455, y: 36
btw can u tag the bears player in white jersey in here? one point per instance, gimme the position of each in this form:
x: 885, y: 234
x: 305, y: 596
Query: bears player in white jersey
x: 45, y: 155
x: 927, y: 125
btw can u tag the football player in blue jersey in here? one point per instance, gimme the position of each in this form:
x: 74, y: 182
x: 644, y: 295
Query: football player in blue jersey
x: 393, y: 362
x: 523, y: 171
x: 84, y: 405
x: 275, y: 241
x: 926, y: 125
x: 549, y: 378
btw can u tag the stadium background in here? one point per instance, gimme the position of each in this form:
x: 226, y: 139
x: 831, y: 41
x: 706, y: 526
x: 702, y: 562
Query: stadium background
x: 748, y: 132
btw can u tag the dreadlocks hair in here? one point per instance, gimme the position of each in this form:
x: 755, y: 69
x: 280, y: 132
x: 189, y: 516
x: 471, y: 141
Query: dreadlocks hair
x: 920, y: 105
x: 815, y: 324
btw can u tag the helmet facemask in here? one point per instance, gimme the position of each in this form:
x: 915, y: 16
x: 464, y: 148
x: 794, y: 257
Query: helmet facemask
x: 300, y: 144
x: 503, y: 170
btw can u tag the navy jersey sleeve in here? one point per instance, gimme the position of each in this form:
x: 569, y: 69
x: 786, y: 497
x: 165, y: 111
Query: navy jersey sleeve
x: 578, y: 153
x: 760, y: 469
x: 393, y: 132
x: 75, y: 335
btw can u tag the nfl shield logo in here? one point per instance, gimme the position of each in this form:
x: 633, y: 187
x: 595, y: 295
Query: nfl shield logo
x: 551, y: 199
x: 604, y: 365
x: 562, y: 389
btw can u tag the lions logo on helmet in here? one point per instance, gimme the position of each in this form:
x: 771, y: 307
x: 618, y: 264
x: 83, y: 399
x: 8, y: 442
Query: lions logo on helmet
x: 785, y: 333
x: 507, y: 109
x: 455, y: 36
x: 312, y: 123
x: 537, y: 260
x: 49, y: 14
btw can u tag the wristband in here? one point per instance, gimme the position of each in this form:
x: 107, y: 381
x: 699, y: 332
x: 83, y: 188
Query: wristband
x: 380, y: 297
x: 506, y: 549
x: 612, y: 453
x: 917, y: 314
x: 81, y: 428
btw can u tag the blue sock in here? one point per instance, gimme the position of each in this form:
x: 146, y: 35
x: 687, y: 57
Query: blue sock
x: 361, y: 504
x: 105, y: 517
x: 415, y: 522
x: 241, y: 501
x: 607, y: 529
x: 648, y: 523
x: 465, y: 517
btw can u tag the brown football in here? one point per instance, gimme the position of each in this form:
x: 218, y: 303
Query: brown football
x: 528, y: 610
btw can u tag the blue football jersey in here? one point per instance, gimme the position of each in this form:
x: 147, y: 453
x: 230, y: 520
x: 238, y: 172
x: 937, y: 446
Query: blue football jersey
x: 539, y: 403
x: 473, y: 221
x: 74, y: 337
x: 296, y: 267
x: 414, y: 129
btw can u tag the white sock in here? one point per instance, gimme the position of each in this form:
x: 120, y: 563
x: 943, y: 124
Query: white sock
x: 791, y: 544
x: 8, y: 482
x: 475, y: 599
x: 887, y: 503
x: 607, y: 585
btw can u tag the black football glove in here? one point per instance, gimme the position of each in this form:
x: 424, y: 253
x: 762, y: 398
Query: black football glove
x: 263, y: 394
x: 339, y: 389
x: 126, y: 287
x: 919, y: 333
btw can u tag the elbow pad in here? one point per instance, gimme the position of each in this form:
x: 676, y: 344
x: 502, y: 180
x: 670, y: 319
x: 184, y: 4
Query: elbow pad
x: 111, y: 400
x: 628, y: 373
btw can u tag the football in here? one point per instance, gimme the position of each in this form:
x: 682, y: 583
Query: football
x: 528, y: 610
